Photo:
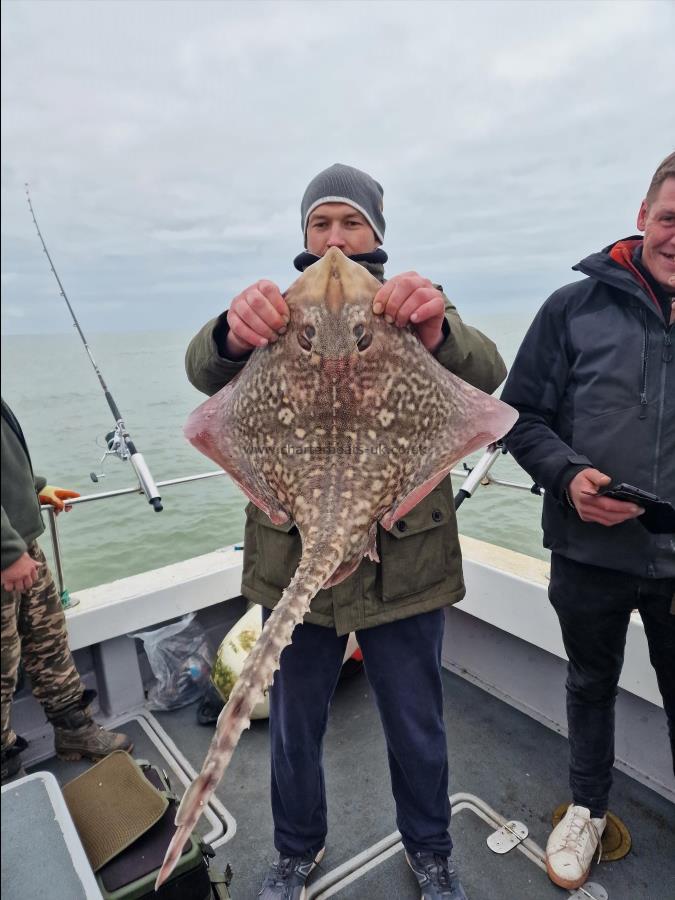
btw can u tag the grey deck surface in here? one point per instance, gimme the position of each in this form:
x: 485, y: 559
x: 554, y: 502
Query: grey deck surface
x: 514, y: 764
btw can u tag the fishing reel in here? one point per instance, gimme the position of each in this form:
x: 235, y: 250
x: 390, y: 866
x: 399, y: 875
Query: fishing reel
x: 116, y: 445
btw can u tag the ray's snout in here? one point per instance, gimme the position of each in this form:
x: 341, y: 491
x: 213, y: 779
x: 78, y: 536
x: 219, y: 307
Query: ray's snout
x: 334, y: 279
x: 335, y: 259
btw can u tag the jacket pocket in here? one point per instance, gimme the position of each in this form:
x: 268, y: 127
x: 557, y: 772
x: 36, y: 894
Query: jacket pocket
x: 415, y: 553
x: 275, y: 549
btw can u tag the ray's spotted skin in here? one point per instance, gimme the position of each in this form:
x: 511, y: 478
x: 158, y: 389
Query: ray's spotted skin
x: 344, y: 422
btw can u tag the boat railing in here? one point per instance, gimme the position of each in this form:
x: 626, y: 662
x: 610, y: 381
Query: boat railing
x: 50, y: 512
x: 474, y: 476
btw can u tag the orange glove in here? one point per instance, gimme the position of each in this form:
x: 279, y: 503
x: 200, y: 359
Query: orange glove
x: 55, y: 496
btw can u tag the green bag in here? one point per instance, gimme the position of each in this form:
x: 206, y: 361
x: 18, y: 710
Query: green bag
x: 132, y: 873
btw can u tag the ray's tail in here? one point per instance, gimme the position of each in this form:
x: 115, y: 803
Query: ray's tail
x: 316, y: 566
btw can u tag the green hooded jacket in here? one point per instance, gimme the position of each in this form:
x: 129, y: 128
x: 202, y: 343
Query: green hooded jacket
x: 420, y: 565
x: 21, y: 518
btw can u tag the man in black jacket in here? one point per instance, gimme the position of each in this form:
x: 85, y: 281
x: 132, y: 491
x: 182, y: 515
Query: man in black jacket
x: 594, y: 382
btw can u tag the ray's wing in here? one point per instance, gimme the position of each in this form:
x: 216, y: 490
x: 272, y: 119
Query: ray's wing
x: 470, y: 419
x: 213, y: 429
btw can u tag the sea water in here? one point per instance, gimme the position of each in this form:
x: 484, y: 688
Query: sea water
x: 50, y: 384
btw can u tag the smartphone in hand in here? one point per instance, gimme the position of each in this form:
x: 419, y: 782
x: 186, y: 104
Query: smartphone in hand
x: 658, y: 516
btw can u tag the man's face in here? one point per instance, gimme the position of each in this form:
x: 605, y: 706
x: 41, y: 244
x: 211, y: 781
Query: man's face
x: 657, y: 220
x: 339, y: 225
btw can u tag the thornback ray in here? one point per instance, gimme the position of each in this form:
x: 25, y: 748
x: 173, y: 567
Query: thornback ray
x: 344, y: 422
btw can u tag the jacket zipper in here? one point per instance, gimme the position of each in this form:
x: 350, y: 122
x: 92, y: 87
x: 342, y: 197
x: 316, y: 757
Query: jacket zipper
x: 666, y: 357
x: 645, y: 356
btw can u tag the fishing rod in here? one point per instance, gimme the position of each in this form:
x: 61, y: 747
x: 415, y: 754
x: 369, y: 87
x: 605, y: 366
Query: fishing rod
x: 478, y: 475
x: 118, y: 441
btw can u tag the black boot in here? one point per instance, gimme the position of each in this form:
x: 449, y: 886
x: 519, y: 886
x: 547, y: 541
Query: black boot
x: 12, y: 766
x: 77, y: 735
x: 209, y: 706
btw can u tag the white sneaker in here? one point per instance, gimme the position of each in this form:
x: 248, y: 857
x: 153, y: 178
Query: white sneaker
x: 572, y: 846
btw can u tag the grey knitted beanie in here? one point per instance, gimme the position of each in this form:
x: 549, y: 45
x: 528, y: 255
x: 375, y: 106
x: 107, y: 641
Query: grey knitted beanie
x: 344, y: 184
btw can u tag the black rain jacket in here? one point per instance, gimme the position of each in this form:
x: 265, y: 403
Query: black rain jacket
x: 594, y: 383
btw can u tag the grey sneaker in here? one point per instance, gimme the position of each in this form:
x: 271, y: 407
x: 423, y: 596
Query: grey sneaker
x: 436, y: 876
x: 286, y: 878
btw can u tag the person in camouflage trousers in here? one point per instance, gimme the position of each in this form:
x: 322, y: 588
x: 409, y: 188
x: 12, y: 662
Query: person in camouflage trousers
x: 33, y: 621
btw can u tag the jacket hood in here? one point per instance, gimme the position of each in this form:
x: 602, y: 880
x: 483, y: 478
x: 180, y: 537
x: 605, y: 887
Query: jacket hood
x: 614, y: 265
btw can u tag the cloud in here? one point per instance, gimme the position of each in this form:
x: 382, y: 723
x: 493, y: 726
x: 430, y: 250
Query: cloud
x: 168, y: 144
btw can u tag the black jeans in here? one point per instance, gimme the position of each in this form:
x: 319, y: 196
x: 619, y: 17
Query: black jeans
x: 594, y: 606
x: 403, y: 665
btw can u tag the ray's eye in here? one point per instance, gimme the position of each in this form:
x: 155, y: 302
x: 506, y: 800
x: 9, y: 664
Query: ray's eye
x: 305, y: 337
x: 363, y: 338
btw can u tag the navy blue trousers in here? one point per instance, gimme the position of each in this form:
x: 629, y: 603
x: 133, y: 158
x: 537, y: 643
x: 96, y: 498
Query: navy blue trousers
x: 403, y: 664
x: 594, y: 606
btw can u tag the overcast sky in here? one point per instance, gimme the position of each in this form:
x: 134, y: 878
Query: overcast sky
x: 167, y: 144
